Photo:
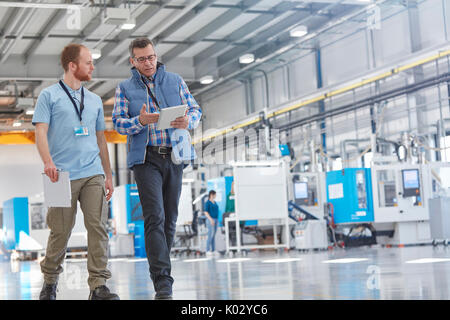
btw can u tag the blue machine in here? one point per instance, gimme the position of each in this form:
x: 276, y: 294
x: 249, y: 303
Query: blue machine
x: 222, y: 186
x: 15, y: 219
x: 284, y: 149
x: 129, y: 215
x: 350, y: 192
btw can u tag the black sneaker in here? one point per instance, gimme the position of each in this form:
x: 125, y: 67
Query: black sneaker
x: 102, y: 293
x: 164, y: 294
x: 48, y: 292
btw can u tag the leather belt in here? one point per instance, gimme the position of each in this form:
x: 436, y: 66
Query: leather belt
x: 160, y: 150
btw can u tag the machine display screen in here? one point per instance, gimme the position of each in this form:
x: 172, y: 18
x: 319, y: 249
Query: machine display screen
x: 410, y: 182
x: 301, y: 190
x: 411, y: 179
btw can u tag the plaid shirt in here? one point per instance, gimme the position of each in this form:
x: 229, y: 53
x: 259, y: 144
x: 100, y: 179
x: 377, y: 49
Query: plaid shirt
x: 129, y: 126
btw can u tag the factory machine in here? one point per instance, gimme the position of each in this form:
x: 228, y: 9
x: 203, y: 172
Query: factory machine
x: 126, y: 211
x: 261, y: 189
x: 401, y: 197
x: 222, y: 186
x: 309, y: 197
x: 25, y: 227
x: 392, y: 198
x: 350, y: 192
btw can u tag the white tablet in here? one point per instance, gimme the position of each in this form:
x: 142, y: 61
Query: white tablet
x: 167, y: 115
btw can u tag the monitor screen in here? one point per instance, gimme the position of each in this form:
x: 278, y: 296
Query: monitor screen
x: 301, y: 190
x: 411, y: 179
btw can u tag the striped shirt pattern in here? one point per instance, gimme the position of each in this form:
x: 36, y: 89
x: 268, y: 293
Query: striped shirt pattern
x: 129, y: 126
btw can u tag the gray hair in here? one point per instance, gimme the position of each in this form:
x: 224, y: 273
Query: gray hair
x: 139, y: 43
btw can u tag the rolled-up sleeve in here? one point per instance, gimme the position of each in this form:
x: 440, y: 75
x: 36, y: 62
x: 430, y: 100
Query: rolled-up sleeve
x: 123, y: 124
x: 194, y: 112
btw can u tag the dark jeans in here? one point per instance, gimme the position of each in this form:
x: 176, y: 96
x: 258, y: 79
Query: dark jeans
x: 159, y: 184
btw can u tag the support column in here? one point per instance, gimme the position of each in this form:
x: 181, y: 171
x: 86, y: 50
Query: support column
x: 416, y: 100
x: 321, y: 102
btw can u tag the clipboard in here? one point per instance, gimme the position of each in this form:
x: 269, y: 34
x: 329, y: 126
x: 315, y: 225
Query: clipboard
x: 167, y: 115
x: 57, y: 194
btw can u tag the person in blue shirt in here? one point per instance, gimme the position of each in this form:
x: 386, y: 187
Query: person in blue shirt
x: 212, y: 214
x: 70, y: 137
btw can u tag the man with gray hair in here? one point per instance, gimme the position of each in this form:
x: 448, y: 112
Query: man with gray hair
x: 155, y: 156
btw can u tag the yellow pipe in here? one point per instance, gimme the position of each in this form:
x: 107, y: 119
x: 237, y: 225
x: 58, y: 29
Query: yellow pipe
x: 28, y: 137
x: 336, y: 92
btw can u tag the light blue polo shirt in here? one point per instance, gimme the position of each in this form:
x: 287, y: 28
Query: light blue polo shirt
x: 80, y: 155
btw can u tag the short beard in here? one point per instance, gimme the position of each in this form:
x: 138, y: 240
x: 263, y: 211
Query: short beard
x: 80, y: 76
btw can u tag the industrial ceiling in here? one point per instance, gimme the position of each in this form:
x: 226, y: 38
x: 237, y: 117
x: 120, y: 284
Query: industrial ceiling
x: 195, y: 38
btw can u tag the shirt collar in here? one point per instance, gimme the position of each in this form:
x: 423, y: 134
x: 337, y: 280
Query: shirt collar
x: 72, y: 90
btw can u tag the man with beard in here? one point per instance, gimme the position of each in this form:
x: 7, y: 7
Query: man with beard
x: 70, y: 137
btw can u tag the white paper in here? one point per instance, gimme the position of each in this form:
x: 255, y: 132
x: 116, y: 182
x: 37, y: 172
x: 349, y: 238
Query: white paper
x: 167, y: 115
x: 58, y: 194
x: 336, y: 191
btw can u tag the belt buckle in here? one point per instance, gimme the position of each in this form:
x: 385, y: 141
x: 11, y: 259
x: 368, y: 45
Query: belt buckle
x: 159, y: 150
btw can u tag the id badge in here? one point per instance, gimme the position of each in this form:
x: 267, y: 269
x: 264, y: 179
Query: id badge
x: 81, y: 131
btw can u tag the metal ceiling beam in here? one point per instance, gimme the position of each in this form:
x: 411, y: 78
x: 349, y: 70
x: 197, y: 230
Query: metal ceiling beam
x: 92, y: 26
x: 124, y: 35
x: 220, y: 21
x: 23, y: 23
x: 10, y: 23
x: 175, y: 25
x: 116, y: 42
x: 240, y: 33
x: 44, y: 33
x: 291, y: 45
x: 171, y: 25
x: 46, y: 68
x: 95, y: 85
x: 262, y: 37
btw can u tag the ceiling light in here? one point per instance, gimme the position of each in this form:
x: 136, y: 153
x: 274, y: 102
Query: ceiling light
x: 247, y: 58
x: 96, y: 53
x: 116, y: 16
x: 130, y: 24
x: 206, y: 80
x: 298, y: 32
x: 29, y: 112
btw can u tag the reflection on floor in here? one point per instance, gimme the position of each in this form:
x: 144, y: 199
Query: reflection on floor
x: 421, y: 272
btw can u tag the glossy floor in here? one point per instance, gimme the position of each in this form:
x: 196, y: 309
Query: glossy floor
x: 421, y: 272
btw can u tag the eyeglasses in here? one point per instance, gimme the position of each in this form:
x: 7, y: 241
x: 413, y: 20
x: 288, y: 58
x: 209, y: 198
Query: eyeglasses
x: 150, y: 58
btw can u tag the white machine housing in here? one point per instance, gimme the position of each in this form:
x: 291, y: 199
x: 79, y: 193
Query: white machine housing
x: 408, y: 216
x: 311, y: 234
x: 316, y: 181
x: 261, y: 194
x: 39, y: 231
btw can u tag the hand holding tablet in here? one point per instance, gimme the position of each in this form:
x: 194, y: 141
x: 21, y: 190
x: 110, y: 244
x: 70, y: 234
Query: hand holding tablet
x: 146, y: 118
x: 168, y: 117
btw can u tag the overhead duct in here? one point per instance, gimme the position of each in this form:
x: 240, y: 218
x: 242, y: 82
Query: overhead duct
x: 7, y: 101
x: 24, y: 103
x: 117, y: 16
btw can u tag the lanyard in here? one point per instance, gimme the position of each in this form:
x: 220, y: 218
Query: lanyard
x: 151, y: 94
x: 79, y: 112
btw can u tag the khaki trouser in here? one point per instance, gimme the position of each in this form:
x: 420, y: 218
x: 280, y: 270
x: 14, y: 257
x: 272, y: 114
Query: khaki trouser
x: 91, y: 194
